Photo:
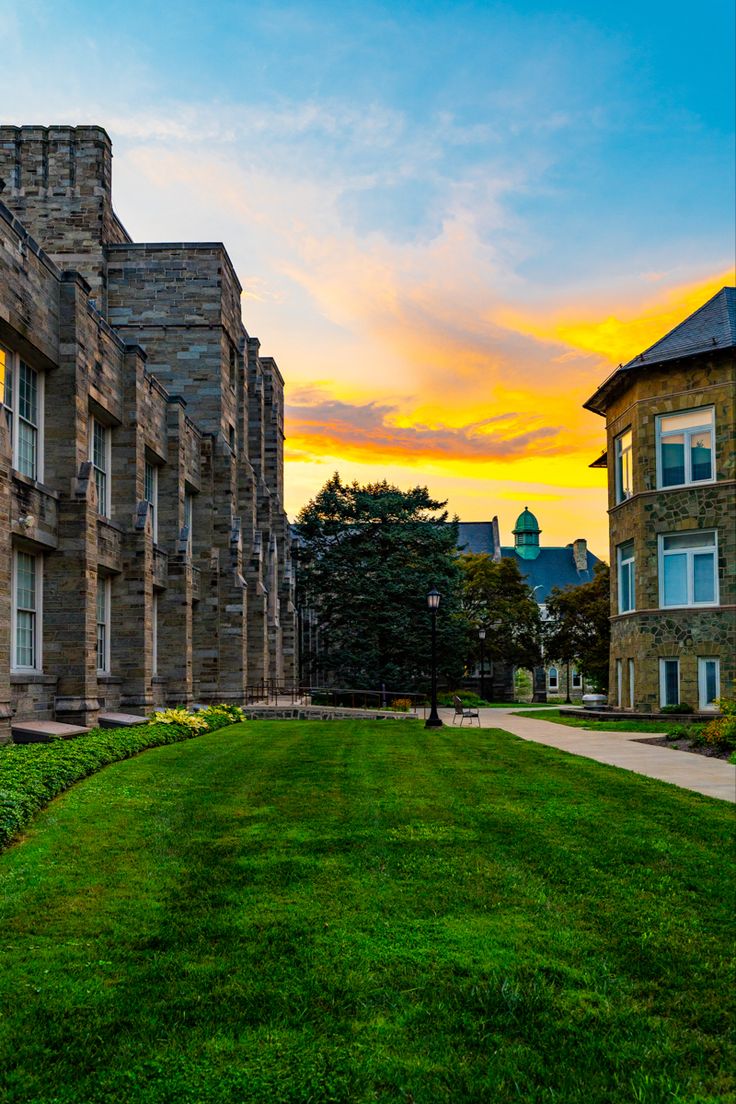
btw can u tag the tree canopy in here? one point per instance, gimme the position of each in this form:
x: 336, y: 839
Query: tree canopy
x: 368, y: 557
x: 495, y: 597
x: 579, y: 626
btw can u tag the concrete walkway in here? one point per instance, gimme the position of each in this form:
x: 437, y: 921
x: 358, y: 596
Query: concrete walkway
x: 712, y: 777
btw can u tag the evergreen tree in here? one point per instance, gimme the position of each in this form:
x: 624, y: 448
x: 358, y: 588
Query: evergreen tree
x: 368, y: 557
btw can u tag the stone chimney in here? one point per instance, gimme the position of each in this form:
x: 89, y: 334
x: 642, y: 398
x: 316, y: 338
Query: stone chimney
x: 580, y: 554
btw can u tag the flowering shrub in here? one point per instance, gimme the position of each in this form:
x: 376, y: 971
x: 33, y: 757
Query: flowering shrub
x: 401, y: 705
x: 233, y: 713
x: 721, y: 731
x: 195, y: 722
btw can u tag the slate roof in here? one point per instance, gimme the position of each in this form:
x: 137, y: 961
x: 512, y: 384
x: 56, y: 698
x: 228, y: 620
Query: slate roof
x: 552, y: 567
x: 712, y: 326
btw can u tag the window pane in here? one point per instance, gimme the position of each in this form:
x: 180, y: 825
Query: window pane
x: 710, y: 680
x: 696, y: 538
x: 704, y: 582
x: 6, y: 378
x: 25, y: 593
x: 28, y: 394
x: 99, y: 451
x: 691, y: 419
x: 101, y: 488
x: 27, y: 439
x: 673, y: 460
x: 671, y: 682
x: 701, y: 455
x: 25, y: 632
x: 675, y: 580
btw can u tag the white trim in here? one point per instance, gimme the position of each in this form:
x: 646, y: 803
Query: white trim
x: 106, y: 583
x: 631, y: 683
x: 13, y: 362
x: 150, y: 466
x: 622, y: 494
x: 619, y: 683
x: 630, y: 565
x: 689, y: 553
x: 37, y: 666
x: 104, y: 509
x: 710, y: 426
x: 702, y: 686
x: 154, y: 633
x: 663, y: 681
x: 553, y: 685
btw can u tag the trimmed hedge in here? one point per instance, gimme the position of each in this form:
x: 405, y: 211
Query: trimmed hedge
x: 31, y: 775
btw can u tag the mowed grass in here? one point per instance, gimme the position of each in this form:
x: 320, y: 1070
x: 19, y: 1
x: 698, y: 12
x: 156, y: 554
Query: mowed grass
x: 580, y: 721
x: 368, y: 911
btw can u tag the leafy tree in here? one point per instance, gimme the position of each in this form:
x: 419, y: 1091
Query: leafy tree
x: 495, y: 597
x: 368, y: 556
x: 579, y: 626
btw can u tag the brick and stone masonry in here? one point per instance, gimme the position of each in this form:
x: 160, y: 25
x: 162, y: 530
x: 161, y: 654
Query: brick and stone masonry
x: 148, y: 340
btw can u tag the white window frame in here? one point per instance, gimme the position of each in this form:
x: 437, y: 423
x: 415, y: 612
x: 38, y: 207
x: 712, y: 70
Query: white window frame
x: 13, y: 362
x: 188, y: 519
x: 663, y: 680
x: 632, y: 677
x: 624, y: 458
x: 37, y: 666
x: 619, y: 683
x: 154, y: 633
x: 153, y: 468
x: 554, y: 685
x: 577, y: 679
x: 687, y: 434
x: 690, y: 553
x: 702, y: 682
x: 104, y: 585
x: 104, y: 507
x: 627, y: 565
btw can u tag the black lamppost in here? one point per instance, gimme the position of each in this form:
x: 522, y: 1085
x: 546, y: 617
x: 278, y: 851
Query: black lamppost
x: 433, y: 601
x: 482, y: 638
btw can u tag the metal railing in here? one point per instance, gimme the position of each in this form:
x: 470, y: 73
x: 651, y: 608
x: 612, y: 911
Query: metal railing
x: 274, y: 692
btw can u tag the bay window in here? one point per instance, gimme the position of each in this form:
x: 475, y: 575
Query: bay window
x: 626, y: 579
x: 685, y: 447
x: 688, y: 574
x: 624, y: 483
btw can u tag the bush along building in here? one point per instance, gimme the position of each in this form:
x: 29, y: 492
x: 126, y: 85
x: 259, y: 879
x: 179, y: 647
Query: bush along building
x: 144, y: 549
x: 543, y: 567
x: 671, y: 460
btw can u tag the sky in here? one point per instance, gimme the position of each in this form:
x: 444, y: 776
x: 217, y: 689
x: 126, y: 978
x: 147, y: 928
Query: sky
x: 451, y: 220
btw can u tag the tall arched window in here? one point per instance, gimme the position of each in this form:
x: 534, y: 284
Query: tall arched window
x: 553, y: 676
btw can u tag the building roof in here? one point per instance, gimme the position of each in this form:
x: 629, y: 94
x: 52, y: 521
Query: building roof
x: 475, y: 537
x: 552, y: 567
x: 710, y: 327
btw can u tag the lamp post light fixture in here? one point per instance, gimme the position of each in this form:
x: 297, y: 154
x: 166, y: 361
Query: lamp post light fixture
x: 433, y: 602
x: 482, y: 638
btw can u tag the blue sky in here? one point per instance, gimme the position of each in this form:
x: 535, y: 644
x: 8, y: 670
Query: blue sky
x: 444, y: 215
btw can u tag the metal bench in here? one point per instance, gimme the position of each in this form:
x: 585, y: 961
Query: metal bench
x: 463, y: 713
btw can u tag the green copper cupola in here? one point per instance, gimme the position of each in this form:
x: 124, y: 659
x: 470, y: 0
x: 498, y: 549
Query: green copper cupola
x: 526, y: 535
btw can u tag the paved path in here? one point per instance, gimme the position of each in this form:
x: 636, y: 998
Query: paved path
x: 712, y: 777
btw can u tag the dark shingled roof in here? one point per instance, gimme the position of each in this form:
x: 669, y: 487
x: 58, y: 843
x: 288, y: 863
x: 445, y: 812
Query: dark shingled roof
x: 710, y: 327
x: 552, y: 567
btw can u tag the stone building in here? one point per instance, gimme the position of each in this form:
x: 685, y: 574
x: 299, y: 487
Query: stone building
x: 144, y: 549
x: 543, y: 567
x: 671, y: 460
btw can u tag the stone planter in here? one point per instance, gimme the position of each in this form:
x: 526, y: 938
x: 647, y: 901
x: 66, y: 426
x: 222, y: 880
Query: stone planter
x: 594, y: 701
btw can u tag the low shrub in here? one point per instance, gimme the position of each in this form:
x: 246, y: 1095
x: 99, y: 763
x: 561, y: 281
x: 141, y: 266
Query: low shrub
x: 401, y: 705
x: 721, y: 731
x: 693, y: 732
x: 468, y: 697
x: 683, y: 707
x: 31, y: 775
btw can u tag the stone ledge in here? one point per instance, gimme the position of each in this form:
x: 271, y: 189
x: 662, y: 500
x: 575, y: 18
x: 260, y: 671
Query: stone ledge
x: 120, y: 720
x: 43, y: 732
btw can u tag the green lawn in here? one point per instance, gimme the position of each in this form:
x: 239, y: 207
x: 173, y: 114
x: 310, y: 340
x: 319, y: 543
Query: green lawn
x: 367, y: 911
x: 658, y: 727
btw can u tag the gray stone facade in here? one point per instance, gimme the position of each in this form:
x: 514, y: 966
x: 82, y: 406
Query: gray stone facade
x: 129, y: 374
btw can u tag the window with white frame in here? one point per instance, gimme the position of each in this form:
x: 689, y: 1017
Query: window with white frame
x: 26, y: 612
x: 631, y: 683
x: 154, y: 633
x: 22, y: 395
x: 626, y: 577
x: 669, y: 682
x: 554, y: 678
x: 103, y: 624
x: 709, y: 682
x: 688, y: 569
x: 100, y: 453
x: 623, y: 454
x: 685, y: 447
x: 150, y: 493
x: 619, y: 683
x: 188, y: 516
x: 577, y: 679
